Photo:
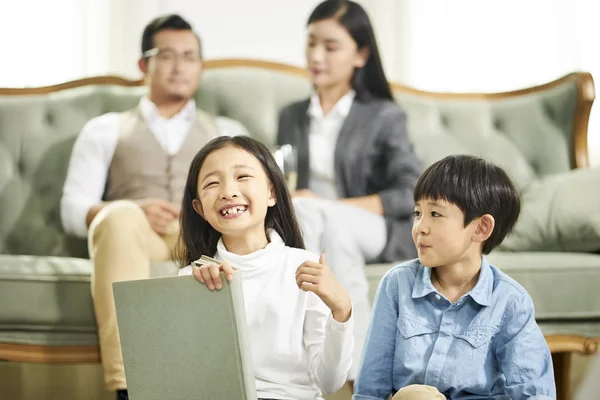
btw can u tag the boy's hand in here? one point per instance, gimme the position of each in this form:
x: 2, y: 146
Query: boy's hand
x: 210, y: 274
x: 318, y: 278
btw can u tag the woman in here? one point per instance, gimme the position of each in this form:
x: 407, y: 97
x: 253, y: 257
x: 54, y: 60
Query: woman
x: 356, y: 163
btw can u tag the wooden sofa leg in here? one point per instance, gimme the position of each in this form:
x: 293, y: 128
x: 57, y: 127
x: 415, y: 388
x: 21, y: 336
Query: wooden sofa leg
x: 562, y: 368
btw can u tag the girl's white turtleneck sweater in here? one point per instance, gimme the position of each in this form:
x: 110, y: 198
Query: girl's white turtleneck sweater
x: 298, y: 349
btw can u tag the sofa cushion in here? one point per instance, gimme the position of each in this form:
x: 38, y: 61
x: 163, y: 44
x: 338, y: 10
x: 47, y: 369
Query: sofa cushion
x: 41, y: 295
x: 252, y: 96
x: 528, y: 135
x: 37, y: 133
x: 562, y: 285
x: 560, y: 212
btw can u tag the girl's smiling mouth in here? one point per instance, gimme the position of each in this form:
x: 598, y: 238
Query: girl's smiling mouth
x: 233, y: 210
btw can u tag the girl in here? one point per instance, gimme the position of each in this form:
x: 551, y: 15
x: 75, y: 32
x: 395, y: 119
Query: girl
x: 237, y: 209
x: 356, y: 163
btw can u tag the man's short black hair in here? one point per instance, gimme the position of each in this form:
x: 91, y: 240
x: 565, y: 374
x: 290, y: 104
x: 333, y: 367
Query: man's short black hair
x: 475, y: 186
x: 171, y: 21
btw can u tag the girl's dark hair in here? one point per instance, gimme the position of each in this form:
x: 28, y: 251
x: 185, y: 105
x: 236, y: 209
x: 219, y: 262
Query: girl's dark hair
x: 369, y: 81
x: 477, y: 187
x: 197, y: 237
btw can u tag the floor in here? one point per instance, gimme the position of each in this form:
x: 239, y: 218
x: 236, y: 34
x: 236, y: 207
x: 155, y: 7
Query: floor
x: 76, y: 382
x: 66, y: 382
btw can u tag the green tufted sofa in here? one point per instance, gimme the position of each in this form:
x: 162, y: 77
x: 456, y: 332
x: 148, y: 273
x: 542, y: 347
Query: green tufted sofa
x: 46, y: 313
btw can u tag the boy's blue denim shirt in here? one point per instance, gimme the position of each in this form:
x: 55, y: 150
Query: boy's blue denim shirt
x: 487, y: 345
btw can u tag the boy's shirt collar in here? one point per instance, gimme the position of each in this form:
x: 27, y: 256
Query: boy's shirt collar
x: 481, y: 293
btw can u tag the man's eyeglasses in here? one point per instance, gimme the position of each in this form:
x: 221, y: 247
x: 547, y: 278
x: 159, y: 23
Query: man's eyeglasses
x: 169, y: 55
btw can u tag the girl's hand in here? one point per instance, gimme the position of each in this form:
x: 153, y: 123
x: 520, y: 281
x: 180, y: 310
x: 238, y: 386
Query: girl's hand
x: 210, y: 274
x: 318, y: 278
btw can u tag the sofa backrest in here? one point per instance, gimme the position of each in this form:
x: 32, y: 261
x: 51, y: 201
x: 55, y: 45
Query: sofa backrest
x: 531, y: 133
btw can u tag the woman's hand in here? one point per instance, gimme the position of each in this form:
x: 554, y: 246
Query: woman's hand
x: 318, y: 278
x: 210, y: 274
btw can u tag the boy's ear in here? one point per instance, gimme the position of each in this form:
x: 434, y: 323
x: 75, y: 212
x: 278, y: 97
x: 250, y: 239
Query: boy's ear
x: 198, y: 207
x: 272, y: 197
x: 484, y: 228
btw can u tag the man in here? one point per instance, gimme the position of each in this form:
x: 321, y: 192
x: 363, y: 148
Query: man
x: 127, y: 173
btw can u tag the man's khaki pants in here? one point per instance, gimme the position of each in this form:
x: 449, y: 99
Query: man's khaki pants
x: 122, y: 245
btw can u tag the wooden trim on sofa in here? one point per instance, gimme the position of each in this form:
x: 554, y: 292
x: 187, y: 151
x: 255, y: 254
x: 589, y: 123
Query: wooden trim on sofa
x: 583, y: 81
x: 250, y: 63
x: 586, y: 94
x: 49, y: 354
x: 572, y: 344
x: 91, y: 354
x: 561, y: 363
x: 95, y: 80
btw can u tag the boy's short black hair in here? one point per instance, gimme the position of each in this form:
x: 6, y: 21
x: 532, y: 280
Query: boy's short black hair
x: 475, y: 186
x: 171, y: 21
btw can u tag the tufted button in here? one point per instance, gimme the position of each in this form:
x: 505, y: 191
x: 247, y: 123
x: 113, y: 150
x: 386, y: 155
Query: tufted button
x: 444, y: 121
x: 49, y: 118
x: 498, y: 124
x: 21, y: 166
x: 549, y: 111
x: 54, y: 215
x: 535, y: 167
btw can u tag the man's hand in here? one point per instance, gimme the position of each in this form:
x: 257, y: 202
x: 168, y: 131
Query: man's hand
x: 160, y: 213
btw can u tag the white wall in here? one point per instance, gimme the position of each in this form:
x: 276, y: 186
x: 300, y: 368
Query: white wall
x: 49, y: 42
x: 263, y: 29
x: 272, y: 30
x: 260, y: 29
x: 77, y: 38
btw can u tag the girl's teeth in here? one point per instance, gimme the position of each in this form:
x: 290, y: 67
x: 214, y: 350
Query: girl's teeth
x: 234, y: 210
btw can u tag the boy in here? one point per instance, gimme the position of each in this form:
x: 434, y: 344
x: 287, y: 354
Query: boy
x: 449, y: 324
